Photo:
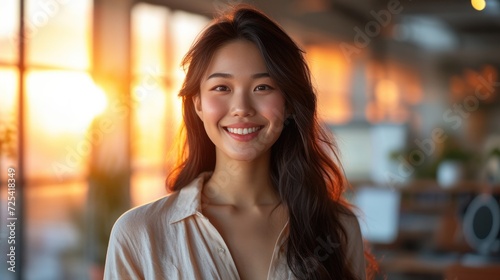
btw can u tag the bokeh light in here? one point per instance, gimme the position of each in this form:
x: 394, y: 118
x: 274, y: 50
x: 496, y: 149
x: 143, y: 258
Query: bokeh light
x: 478, y: 4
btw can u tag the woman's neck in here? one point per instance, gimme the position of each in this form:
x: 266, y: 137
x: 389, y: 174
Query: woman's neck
x: 241, y: 184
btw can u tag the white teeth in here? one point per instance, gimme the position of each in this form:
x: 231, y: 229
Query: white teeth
x: 243, y: 131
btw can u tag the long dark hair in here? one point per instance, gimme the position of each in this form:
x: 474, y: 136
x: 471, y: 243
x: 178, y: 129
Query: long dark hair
x: 304, y: 165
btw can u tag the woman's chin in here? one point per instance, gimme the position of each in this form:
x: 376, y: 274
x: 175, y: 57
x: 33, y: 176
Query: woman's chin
x: 247, y: 155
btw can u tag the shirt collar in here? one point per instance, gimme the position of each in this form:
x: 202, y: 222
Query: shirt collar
x: 188, y: 200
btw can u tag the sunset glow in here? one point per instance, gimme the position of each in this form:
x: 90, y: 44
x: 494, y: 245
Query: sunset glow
x: 63, y: 102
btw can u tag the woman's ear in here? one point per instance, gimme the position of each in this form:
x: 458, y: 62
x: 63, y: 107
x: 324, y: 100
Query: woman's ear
x: 197, y: 106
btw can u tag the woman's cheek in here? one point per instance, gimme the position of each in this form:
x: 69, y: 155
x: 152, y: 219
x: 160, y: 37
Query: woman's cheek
x: 213, y: 107
x: 275, y: 108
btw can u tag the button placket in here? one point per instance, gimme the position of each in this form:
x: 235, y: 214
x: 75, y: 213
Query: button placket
x: 221, y: 250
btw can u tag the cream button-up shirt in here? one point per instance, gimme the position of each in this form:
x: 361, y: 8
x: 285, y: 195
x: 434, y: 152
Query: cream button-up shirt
x: 171, y: 239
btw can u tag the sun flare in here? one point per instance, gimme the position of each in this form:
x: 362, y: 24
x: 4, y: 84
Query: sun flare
x: 62, y: 101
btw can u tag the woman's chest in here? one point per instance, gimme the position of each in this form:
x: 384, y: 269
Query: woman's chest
x: 252, y: 240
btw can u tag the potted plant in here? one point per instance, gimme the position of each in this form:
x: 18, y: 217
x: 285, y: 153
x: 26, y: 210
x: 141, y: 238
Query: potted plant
x: 493, y: 167
x: 452, y: 166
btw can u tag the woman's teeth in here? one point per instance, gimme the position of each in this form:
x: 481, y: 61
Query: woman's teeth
x: 243, y: 131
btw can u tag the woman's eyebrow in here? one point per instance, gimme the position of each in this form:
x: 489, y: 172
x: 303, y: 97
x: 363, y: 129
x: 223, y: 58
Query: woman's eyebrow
x: 261, y: 75
x: 219, y: 75
x: 227, y: 75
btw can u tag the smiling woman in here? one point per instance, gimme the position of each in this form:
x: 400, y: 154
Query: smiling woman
x: 257, y: 193
x: 236, y: 96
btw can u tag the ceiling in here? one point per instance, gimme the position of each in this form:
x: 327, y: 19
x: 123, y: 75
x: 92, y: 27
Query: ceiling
x: 443, y: 27
x: 450, y: 28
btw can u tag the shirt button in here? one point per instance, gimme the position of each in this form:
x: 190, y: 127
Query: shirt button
x: 221, y: 250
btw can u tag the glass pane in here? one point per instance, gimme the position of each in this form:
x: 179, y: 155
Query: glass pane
x: 61, y: 106
x: 59, y: 33
x: 149, y: 125
x: 55, y: 224
x: 151, y: 55
x: 9, y: 30
x: 150, y: 38
x: 185, y: 28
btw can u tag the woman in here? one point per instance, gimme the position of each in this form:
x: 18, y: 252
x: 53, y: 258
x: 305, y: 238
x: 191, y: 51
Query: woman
x: 257, y: 194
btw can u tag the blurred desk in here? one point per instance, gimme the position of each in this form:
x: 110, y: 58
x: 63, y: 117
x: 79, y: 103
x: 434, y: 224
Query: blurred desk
x: 426, y: 239
x: 416, y: 263
x: 487, y: 272
x: 439, y: 265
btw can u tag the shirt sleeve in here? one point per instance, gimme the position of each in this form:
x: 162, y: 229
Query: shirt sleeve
x: 122, y: 260
x: 355, y: 249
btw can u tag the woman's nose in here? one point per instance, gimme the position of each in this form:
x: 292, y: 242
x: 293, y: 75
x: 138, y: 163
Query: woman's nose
x: 241, y: 105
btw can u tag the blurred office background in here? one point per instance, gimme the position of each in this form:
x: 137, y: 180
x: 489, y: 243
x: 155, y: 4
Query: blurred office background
x: 89, y: 115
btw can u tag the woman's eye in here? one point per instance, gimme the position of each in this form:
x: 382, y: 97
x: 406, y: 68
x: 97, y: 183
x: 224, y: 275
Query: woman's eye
x: 262, y: 87
x: 220, y: 88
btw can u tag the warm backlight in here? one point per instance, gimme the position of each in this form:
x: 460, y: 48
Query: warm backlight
x: 331, y: 75
x: 63, y: 102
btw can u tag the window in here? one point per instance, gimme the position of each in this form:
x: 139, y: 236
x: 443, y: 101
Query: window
x: 160, y: 38
x: 60, y: 102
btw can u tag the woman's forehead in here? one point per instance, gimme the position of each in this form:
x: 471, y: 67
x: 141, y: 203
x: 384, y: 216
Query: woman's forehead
x: 237, y: 58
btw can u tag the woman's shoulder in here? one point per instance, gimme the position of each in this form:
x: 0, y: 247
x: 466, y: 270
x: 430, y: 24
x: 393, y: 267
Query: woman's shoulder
x: 355, y: 244
x: 157, y: 215
x: 349, y: 219
x: 141, y: 218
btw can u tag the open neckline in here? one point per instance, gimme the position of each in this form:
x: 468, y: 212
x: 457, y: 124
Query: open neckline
x: 277, y: 245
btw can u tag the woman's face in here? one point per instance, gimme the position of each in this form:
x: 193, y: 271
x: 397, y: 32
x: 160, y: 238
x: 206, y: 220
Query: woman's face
x: 240, y: 105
